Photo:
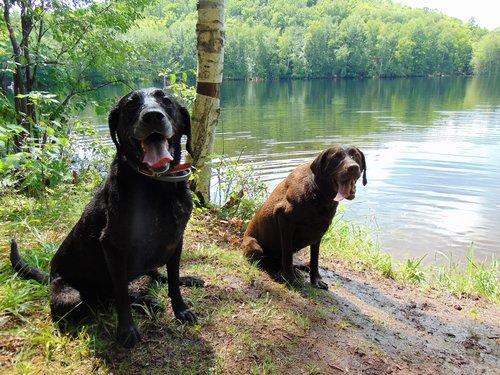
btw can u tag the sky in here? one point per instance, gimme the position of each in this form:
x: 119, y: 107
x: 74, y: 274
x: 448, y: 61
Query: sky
x: 485, y: 12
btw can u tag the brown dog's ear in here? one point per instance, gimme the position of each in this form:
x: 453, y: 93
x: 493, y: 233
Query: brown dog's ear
x: 319, y: 164
x: 113, y: 124
x: 187, y: 127
x: 363, y: 166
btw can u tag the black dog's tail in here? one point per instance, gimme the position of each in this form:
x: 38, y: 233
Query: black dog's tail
x: 25, y: 270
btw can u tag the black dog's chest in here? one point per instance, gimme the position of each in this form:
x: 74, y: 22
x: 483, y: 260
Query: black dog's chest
x: 155, y: 222
x: 151, y: 219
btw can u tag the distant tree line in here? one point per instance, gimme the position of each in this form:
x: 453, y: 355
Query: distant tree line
x: 272, y: 39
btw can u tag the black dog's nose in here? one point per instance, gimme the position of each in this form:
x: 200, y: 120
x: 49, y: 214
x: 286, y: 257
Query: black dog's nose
x: 153, y: 116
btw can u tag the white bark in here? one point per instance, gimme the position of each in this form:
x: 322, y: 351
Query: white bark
x: 210, y: 45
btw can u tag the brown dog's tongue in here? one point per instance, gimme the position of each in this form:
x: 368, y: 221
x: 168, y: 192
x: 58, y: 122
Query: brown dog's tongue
x: 156, y: 154
x: 344, y: 191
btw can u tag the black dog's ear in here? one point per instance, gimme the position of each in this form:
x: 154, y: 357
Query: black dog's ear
x: 187, y: 127
x: 113, y: 119
x: 363, y: 166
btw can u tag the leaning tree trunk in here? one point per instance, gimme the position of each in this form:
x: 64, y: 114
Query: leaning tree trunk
x: 210, y: 45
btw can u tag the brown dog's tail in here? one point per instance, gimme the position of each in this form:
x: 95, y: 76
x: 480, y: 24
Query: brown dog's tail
x: 251, y: 248
x: 25, y: 270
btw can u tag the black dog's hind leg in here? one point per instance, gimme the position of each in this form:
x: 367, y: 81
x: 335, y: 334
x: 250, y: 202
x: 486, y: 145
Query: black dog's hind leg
x: 181, y: 310
x: 66, y: 303
x: 157, y: 276
x: 143, y: 300
x: 127, y: 333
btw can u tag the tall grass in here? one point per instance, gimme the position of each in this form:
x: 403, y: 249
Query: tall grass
x: 475, y: 277
x: 355, y: 245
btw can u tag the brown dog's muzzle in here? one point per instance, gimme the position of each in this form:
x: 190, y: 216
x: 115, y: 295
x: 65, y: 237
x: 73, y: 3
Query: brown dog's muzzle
x: 348, y: 173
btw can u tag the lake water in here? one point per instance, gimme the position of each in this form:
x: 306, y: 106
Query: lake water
x: 432, y: 149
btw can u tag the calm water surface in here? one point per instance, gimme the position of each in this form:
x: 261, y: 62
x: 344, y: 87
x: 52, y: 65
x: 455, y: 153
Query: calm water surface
x: 432, y: 149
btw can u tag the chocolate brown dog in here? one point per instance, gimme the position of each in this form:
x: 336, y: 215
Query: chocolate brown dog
x: 300, y: 210
x: 135, y: 222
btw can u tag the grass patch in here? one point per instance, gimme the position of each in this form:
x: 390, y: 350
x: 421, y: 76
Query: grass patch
x: 237, y: 308
x: 354, y: 245
x: 475, y: 278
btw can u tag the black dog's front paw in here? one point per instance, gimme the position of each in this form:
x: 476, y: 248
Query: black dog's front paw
x: 128, y: 336
x: 191, y: 281
x: 186, y: 315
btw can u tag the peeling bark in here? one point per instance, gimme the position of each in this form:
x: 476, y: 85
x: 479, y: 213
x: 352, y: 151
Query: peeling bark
x: 210, y: 45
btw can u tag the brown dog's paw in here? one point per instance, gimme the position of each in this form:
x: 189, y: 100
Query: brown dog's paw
x: 320, y: 285
x: 128, y: 337
x: 186, y: 316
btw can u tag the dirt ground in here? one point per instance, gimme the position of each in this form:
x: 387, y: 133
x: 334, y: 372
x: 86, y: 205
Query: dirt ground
x: 373, y: 325
x: 380, y: 327
x: 252, y: 324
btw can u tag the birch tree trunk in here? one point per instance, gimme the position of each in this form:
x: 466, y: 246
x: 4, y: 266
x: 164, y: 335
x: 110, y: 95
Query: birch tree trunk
x: 210, y: 45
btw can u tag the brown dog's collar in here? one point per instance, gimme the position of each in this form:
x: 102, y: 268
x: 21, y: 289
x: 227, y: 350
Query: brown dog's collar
x: 178, y: 173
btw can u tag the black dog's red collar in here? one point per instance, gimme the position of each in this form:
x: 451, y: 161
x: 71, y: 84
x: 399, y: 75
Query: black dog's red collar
x: 178, y: 173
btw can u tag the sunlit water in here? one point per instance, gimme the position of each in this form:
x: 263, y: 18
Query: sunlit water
x: 432, y: 149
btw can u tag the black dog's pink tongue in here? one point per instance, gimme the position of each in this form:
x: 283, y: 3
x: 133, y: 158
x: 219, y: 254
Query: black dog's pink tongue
x: 156, y: 154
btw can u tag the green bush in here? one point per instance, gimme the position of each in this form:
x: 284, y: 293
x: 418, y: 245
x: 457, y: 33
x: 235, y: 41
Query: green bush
x: 239, y: 193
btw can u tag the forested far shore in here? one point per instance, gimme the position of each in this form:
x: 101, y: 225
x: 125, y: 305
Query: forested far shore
x: 280, y: 39
x: 275, y: 39
x: 272, y: 39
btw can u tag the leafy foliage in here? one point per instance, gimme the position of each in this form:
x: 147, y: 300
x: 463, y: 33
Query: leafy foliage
x: 487, y: 54
x: 239, y: 193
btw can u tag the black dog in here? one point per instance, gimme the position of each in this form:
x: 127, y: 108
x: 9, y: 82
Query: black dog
x: 135, y: 222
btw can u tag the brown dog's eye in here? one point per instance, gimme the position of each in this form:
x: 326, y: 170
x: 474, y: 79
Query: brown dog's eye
x: 354, y: 154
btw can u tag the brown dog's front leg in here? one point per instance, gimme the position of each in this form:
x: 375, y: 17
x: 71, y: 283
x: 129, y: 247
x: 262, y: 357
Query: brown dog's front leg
x: 181, y: 310
x: 314, y: 268
x: 127, y: 333
x: 285, y: 230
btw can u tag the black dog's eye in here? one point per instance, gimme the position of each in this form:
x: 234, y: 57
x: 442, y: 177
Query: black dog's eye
x: 132, y: 102
x: 167, y: 101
